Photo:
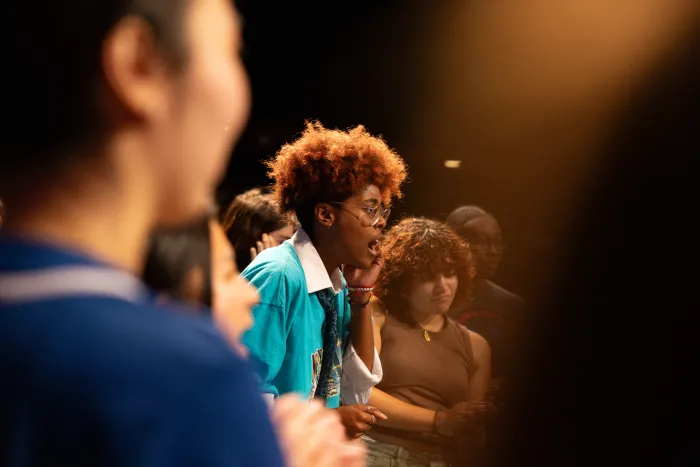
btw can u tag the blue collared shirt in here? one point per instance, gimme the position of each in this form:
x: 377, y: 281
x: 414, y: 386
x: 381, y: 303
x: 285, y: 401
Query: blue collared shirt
x: 286, y: 341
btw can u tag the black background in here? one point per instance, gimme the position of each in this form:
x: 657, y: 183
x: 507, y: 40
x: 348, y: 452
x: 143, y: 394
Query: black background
x: 362, y: 62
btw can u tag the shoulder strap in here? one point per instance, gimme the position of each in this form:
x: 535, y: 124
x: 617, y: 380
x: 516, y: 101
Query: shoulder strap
x: 69, y: 281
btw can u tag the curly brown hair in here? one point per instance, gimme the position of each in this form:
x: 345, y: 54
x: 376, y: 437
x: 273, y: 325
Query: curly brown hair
x: 330, y: 166
x: 419, y: 248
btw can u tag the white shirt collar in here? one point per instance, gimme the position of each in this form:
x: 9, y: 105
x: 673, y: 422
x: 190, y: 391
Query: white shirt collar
x: 317, y: 277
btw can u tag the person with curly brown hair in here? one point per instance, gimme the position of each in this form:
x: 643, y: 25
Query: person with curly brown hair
x: 436, y: 372
x: 313, y: 323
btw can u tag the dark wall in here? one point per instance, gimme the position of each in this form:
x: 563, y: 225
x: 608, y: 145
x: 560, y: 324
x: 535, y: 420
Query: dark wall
x: 314, y: 60
x: 364, y: 62
x: 608, y: 376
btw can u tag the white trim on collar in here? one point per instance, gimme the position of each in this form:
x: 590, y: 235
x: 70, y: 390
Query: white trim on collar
x: 69, y: 281
x: 317, y: 277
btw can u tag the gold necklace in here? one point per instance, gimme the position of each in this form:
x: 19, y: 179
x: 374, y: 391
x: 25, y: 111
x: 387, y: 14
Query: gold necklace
x: 426, y: 334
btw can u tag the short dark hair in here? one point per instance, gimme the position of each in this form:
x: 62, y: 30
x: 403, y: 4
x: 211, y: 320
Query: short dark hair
x: 250, y: 215
x: 173, y: 254
x: 462, y: 215
x: 325, y: 165
x: 418, y: 248
x: 54, y: 52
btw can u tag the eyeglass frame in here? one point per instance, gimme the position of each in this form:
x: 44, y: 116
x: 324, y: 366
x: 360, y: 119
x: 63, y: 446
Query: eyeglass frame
x: 380, y: 210
x: 497, y: 244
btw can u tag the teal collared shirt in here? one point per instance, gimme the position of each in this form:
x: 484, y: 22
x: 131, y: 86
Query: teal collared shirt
x: 286, y: 341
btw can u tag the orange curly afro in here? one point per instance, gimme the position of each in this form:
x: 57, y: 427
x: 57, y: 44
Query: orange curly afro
x: 330, y: 166
x: 418, y: 248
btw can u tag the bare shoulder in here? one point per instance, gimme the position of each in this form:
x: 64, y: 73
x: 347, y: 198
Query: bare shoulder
x: 378, y: 313
x: 480, y: 346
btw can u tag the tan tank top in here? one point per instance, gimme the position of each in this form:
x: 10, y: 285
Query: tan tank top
x: 430, y: 374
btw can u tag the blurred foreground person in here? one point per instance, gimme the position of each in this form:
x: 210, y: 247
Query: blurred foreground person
x: 253, y: 223
x: 436, y: 371
x: 179, y: 264
x: 197, y: 264
x: 137, y: 122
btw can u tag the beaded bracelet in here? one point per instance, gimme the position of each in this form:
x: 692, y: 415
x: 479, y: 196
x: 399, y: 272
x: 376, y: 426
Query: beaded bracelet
x: 361, y: 289
x: 360, y: 305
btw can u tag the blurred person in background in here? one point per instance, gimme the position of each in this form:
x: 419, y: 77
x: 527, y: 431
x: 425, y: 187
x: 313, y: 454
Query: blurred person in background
x: 254, y: 223
x: 313, y: 323
x: 491, y: 309
x: 137, y: 124
x: 436, y: 372
x: 179, y: 264
x: 197, y: 264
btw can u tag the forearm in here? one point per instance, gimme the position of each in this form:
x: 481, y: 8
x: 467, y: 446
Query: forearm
x: 401, y: 414
x: 362, y: 332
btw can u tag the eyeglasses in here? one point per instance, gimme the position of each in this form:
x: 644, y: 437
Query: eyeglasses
x: 484, y: 244
x: 370, y: 215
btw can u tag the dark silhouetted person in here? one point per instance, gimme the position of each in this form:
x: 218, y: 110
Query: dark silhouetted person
x: 491, y: 309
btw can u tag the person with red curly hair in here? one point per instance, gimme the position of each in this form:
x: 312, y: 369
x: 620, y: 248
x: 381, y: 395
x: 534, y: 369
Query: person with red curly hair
x: 313, y: 327
x: 436, y: 372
